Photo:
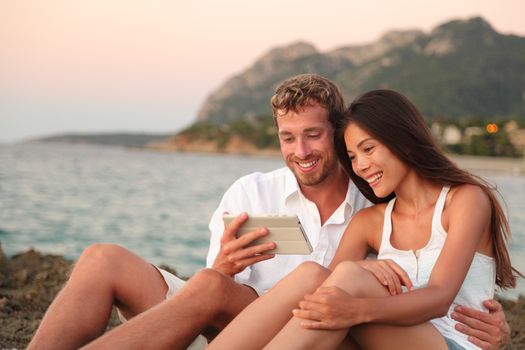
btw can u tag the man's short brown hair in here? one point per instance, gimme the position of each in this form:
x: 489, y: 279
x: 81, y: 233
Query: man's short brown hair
x: 304, y: 90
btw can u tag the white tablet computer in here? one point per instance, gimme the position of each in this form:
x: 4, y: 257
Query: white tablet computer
x: 285, y: 230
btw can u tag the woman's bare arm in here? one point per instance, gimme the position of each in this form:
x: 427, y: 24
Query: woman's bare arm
x: 468, y: 221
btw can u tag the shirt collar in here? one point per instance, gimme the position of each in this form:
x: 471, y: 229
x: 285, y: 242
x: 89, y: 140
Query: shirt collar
x: 292, y: 188
x: 346, y: 209
x: 352, y: 193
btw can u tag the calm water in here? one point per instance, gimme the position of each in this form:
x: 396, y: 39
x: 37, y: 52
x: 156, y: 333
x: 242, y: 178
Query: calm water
x: 60, y: 198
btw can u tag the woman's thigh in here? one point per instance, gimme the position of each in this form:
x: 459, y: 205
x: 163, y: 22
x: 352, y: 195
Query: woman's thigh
x: 379, y: 336
x: 359, y: 282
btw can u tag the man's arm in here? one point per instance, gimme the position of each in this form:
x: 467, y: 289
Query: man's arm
x: 227, y: 253
x: 488, y: 330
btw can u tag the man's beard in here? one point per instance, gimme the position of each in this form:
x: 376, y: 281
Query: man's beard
x: 328, y: 166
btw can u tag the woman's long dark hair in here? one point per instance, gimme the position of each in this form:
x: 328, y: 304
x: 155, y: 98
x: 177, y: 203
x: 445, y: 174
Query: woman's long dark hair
x: 393, y: 120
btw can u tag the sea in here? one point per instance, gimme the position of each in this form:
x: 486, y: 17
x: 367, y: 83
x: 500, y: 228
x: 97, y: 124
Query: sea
x: 60, y: 198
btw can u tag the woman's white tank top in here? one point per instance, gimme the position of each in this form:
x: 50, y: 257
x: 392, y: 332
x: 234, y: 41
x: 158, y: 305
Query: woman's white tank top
x: 478, y: 285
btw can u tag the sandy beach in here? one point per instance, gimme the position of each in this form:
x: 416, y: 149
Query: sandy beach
x: 29, y: 281
x: 511, y: 166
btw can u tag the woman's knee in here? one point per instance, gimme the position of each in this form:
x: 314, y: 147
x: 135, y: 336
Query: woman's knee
x: 310, y: 271
x: 347, y: 268
x: 348, y: 275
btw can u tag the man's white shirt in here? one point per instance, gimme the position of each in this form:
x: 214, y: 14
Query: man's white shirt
x: 277, y: 192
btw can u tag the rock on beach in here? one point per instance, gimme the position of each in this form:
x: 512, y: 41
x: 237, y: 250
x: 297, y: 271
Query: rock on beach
x: 29, y: 281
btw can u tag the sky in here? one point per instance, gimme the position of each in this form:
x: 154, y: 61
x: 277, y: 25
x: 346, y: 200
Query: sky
x: 148, y: 65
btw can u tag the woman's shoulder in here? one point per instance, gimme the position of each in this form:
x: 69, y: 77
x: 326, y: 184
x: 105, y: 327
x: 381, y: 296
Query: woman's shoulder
x: 468, y: 198
x: 368, y: 223
x: 372, y: 214
x: 468, y: 192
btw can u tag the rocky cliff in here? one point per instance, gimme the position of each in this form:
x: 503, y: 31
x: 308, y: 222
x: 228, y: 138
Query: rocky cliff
x: 463, y: 67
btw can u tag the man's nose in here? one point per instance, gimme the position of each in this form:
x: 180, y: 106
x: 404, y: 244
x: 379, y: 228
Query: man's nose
x: 303, y: 148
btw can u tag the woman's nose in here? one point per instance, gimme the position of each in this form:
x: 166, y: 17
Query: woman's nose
x: 362, y: 163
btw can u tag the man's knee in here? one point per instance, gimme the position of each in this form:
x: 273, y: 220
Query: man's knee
x: 101, y: 257
x: 210, y: 282
x: 103, y: 252
x: 216, y: 297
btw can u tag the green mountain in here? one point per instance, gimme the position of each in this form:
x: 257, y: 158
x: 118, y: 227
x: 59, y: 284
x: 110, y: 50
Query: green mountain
x: 461, y: 68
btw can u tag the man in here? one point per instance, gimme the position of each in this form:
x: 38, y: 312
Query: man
x: 312, y: 186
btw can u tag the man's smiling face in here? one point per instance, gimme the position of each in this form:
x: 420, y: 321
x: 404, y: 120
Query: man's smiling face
x: 307, y: 146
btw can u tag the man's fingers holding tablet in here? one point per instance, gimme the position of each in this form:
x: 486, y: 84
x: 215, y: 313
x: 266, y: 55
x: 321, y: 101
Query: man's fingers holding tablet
x: 236, y: 244
x: 249, y: 252
x: 230, y: 231
x: 244, y: 263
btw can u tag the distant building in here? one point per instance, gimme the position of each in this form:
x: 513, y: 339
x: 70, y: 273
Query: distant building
x: 472, y: 131
x: 510, y: 126
x: 451, y: 135
x: 436, y: 130
x: 517, y: 138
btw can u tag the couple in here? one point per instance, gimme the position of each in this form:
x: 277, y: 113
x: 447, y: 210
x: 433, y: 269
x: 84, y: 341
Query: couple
x: 381, y: 138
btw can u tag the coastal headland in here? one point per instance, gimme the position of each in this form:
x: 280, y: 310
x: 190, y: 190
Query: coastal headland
x: 29, y: 281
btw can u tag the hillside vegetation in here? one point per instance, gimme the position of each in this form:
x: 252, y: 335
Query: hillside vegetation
x: 461, y: 68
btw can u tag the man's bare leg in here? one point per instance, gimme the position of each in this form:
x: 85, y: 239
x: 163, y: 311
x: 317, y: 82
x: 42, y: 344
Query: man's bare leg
x: 207, y: 302
x: 104, y: 274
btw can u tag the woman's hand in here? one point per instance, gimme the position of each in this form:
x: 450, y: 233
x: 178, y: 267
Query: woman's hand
x: 389, y: 274
x: 330, y: 308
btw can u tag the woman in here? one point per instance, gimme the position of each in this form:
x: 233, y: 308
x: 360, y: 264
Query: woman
x: 438, y: 231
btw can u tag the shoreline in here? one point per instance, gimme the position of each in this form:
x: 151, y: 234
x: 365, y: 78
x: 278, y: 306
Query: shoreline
x: 511, y: 166
x: 30, y: 280
x: 472, y: 163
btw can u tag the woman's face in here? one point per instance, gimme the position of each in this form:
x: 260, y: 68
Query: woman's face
x: 373, y: 161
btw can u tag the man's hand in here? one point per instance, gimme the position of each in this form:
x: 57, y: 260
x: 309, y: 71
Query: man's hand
x: 388, y: 273
x: 487, y: 330
x: 234, y: 255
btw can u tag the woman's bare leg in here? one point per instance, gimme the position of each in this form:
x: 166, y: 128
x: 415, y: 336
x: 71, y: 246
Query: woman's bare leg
x: 376, y: 336
x: 358, y: 282
x: 262, y: 319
